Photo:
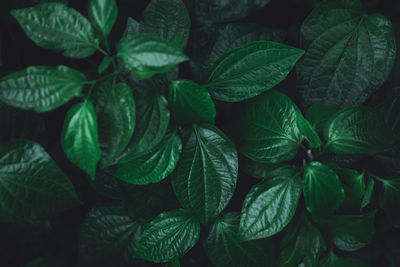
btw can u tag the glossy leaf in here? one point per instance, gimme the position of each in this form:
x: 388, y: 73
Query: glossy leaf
x: 390, y: 199
x: 169, y: 235
x: 205, y: 178
x: 357, y: 130
x: 267, y: 129
x: 103, y: 14
x: 41, y: 88
x: 116, y: 116
x: 323, y: 191
x: 153, y: 166
x: 58, y: 27
x: 318, y: 115
x: 80, y: 138
x: 270, y: 205
x: 146, y: 55
x: 167, y: 19
x: 249, y: 70
x: 31, y: 184
x: 190, y: 102
x: 256, y: 169
x: 354, y: 188
x: 223, y: 247
x: 108, y: 237
x: 349, y: 54
x: 331, y: 260
x: 104, y: 64
x: 369, y: 191
x: 307, y: 131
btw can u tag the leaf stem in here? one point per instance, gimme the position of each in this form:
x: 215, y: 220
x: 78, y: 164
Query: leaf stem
x: 103, y: 77
x: 102, y: 51
x: 109, y: 54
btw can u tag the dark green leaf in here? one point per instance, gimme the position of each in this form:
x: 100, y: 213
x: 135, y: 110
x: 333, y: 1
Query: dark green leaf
x: 205, y: 178
x: 318, y: 115
x: 108, y: 237
x: 167, y: 19
x: 223, y: 247
x: 79, y: 137
x: 307, y: 131
x: 146, y: 55
x: 105, y: 63
x: 31, y: 184
x: 153, y: 166
x: 256, y: 169
x: 41, y: 88
x: 249, y: 70
x: 115, y: 113
x: 357, y: 130
x: 103, y: 14
x: 349, y: 54
x: 190, y: 102
x: 228, y: 10
x: 107, y: 184
x: 390, y: 200
x: 369, y: 191
x: 169, y: 235
x: 354, y: 188
x: 174, y: 263
x: 58, y: 27
x: 267, y: 129
x: 132, y: 27
x: 323, y: 192
x: 270, y: 205
x: 331, y: 260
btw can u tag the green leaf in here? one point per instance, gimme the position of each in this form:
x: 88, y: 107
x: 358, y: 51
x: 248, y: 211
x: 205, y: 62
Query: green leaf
x: 58, y: 27
x: 132, y: 27
x: 153, y: 166
x: 228, y: 10
x: 369, y: 191
x: 205, y: 178
x: 390, y: 200
x: 308, y: 131
x: 352, y: 232
x: 331, y: 260
x: 357, y: 130
x: 318, y: 116
x: 103, y: 14
x: 79, y: 137
x: 323, y: 192
x: 267, y: 129
x: 169, y: 235
x: 256, y: 169
x: 106, y: 183
x: 190, y: 102
x: 146, y: 55
x: 108, y: 237
x: 249, y: 70
x: 31, y: 184
x: 105, y: 63
x: 167, y: 19
x: 223, y: 247
x: 41, y: 88
x: 354, y: 188
x: 349, y: 54
x: 115, y: 113
x: 174, y: 263
x: 270, y: 205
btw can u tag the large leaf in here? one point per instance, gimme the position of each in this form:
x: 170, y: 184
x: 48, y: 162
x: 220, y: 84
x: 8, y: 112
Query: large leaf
x: 153, y: 166
x: 349, y: 54
x: 169, y: 235
x: 41, y: 88
x: 58, y: 27
x: 145, y: 55
x: 267, y: 128
x: 108, y: 237
x: 79, y: 137
x: 31, y: 184
x: 270, y: 205
x: 323, y: 192
x: 103, y: 14
x: 357, y: 130
x: 249, y: 70
x: 116, y: 116
x: 167, y: 19
x: 390, y: 200
x: 190, y: 102
x: 331, y: 260
x: 223, y: 247
x: 205, y: 179
x: 228, y: 10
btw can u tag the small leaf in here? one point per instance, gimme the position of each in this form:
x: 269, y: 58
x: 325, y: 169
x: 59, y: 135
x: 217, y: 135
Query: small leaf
x: 267, y: 129
x: 369, y: 191
x: 108, y: 237
x: 41, y: 88
x: 205, y: 178
x: 153, y: 166
x: 146, y: 55
x: 105, y: 63
x: 58, y: 27
x: 79, y: 137
x: 190, y: 102
x: 31, y: 184
x: 323, y: 192
x: 103, y: 14
x: 168, y: 236
x: 308, y: 131
x: 270, y: 205
x: 223, y: 247
x: 331, y: 260
x: 390, y: 199
x: 249, y: 70
x: 115, y: 113
x: 354, y: 188
x: 167, y: 19
x: 318, y: 115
